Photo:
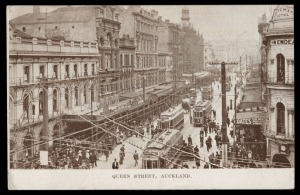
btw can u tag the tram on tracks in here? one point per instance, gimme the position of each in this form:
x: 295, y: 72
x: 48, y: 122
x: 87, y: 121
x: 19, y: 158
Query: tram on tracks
x: 207, y: 93
x: 163, y: 151
x: 173, y: 118
x: 202, y: 111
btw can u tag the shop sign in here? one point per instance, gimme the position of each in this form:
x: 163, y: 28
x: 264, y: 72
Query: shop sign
x: 282, y: 42
x: 250, y: 121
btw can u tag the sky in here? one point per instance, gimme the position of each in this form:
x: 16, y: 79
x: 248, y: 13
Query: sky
x: 217, y: 23
x: 213, y: 21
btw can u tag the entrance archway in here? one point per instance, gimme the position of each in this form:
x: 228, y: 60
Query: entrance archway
x: 280, y: 161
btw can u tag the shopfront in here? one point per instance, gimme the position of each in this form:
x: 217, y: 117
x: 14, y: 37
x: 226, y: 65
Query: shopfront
x: 249, y: 134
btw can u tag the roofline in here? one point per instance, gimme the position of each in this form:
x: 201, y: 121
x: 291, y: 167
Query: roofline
x: 47, y: 54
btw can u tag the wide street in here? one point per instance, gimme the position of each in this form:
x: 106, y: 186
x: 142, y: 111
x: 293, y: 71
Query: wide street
x: 133, y: 144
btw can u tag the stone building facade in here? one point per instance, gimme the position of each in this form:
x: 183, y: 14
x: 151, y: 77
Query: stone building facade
x: 279, y: 42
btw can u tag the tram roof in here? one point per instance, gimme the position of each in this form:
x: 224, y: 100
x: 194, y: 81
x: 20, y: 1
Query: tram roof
x: 171, y: 111
x: 202, y: 103
x: 164, y: 138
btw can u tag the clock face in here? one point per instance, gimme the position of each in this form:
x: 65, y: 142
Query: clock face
x: 283, y: 148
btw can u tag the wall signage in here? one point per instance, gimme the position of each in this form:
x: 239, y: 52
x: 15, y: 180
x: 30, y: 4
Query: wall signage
x: 283, y: 13
x: 282, y: 42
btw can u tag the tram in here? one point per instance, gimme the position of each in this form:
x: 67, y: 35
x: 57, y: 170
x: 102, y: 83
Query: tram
x: 207, y: 93
x: 193, y: 92
x: 163, y: 151
x: 202, y: 111
x: 173, y: 118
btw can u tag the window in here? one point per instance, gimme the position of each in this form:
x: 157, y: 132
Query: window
x: 55, y: 100
x: 39, y: 29
x: 24, y: 29
x: 280, y: 68
x: 75, y: 70
x: 26, y: 105
x: 55, y: 27
x: 33, y: 109
x: 85, y: 70
x: 26, y: 74
x: 67, y: 97
x: 76, y: 96
x: 73, y: 27
x: 137, y: 62
x: 280, y: 118
x: 126, y: 60
x: 121, y: 59
x: 41, y: 102
x: 55, y: 73
x: 42, y: 71
x: 62, y: 43
x: 93, y: 69
x: 92, y: 93
x: 67, y: 71
x: 49, y: 42
x: 132, y: 60
x: 34, y: 41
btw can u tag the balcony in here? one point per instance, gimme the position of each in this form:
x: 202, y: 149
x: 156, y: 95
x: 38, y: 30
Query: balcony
x: 287, y: 79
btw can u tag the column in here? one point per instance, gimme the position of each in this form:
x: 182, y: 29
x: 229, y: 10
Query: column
x: 290, y: 124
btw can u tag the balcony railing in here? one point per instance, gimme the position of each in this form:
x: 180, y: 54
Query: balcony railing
x: 287, y: 79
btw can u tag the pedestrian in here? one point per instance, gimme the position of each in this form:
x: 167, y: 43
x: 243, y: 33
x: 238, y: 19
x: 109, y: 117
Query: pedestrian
x: 196, y: 150
x: 189, y: 140
x: 198, y: 161
x: 206, y: 166
x: 136, y: 158
x: 115, y: 164
x: 201, y: 140
x: 228, y: 122
x: 208, y: 143
x: 205, y: 130
x: 93, y: 159
x: 216, y: 138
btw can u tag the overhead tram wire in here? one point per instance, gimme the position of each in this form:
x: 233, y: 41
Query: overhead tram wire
x: 73, y: 112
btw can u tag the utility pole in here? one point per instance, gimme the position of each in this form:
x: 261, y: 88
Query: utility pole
x: 92, y: 113
x: 234, y: 125
x: 144, y: 95
x: 45, y: 133
x: 224, y: 112
x: 224, y: 116
x: 241, y: 69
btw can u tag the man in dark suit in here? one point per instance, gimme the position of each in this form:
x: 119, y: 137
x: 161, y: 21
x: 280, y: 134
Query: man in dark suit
x: 115, y: 164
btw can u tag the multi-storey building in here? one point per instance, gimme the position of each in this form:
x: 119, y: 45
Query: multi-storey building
x: 127, y: 58
x: 209, y: 55
x: 168, y: 46
x: 192, y: 46
x: 77, y: 50
x: 142, y: 26
x: 279, y: 42
x: 65, y: 64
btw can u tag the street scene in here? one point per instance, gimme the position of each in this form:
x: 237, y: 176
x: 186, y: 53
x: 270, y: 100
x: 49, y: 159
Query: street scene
x: 139, y: 87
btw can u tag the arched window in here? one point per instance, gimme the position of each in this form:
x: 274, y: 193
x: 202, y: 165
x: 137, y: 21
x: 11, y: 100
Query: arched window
x: 280, y: 118
x: 92, y: 93
x: 41, y: 102
x: 26, y: 105
x: 101, y: 41
x: 85, y: 94
x: 55, y: 100
x: 67, y: 97
x: 76, y: 96
x: 280, y: 68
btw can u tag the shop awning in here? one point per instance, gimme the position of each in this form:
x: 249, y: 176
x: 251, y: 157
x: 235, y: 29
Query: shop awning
x: 250, y: 118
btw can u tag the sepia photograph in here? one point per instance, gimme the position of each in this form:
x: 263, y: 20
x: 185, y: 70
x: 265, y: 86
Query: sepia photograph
x: 167, y: 95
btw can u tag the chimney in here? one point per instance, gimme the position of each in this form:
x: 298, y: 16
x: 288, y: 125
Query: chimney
x: 36, y: 9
